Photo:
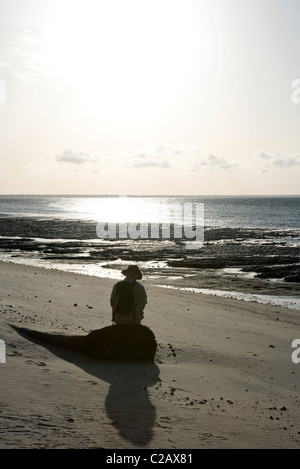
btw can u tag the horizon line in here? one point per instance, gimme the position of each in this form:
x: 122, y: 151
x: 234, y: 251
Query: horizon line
x: 143, y: 195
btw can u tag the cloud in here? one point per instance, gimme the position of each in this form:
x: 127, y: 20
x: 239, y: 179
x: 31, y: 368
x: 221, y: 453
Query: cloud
x: 177, y: 157
x: 214, y: 162
x: 159, y: 156
x: 275, y: 160
x: 70, y: 156
x: 153, y: 164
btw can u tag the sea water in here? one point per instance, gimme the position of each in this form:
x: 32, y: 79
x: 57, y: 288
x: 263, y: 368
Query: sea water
x: 61, y: 231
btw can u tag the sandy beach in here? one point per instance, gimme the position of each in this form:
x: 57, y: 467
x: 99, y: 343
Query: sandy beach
x: 222, y: 378
x: 162, y: 135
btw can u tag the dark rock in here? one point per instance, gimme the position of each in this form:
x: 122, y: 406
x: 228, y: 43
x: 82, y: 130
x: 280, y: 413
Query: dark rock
x: 292, y: 278
x: 121, y: 342
x: 117, y: 342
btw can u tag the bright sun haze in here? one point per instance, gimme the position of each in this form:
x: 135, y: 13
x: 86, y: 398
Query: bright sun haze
x: 149, y: 97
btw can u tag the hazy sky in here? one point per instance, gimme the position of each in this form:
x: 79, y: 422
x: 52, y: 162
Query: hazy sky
x: 150, y: 96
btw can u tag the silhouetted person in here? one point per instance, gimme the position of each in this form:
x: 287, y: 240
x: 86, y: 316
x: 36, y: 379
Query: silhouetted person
x: 128, y: 298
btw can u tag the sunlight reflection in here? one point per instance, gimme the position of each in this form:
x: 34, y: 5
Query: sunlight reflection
x: 118, y: 209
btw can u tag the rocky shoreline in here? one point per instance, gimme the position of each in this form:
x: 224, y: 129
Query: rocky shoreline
x: 231, y: 258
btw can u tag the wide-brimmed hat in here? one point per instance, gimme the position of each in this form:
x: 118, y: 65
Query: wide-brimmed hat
x: 133, y: 271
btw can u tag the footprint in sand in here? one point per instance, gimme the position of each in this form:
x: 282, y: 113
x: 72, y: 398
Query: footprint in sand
x: 32, y: 362
x: 14, y: 353
x: 165, y: 422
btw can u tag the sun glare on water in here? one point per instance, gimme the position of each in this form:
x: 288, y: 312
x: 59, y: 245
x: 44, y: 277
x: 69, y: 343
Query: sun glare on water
x: 112, y: 209
x: 121, y: 209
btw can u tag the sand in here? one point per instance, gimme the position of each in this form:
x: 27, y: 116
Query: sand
x: 223, y: 375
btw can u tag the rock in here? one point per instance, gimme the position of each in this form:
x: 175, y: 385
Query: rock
x: 120, y: 342
x: 292, y: 278
x: 117, y: 342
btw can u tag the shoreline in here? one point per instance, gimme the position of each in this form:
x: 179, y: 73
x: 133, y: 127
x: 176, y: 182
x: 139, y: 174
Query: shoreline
x: 246, y: 263
x: 229, y: 285
x: 287, y: 301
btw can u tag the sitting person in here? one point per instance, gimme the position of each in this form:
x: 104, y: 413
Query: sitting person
x: 128, y: 298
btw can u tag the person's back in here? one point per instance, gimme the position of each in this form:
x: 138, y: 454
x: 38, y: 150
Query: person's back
x: 129, y: 287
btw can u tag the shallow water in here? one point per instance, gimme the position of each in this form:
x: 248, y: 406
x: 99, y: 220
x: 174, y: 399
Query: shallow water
x: 243, y: 237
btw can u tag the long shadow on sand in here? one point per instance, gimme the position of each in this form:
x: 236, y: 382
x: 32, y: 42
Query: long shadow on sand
x: 128, y: 403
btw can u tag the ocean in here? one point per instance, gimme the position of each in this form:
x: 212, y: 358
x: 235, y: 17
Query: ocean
x: 244, y: 247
